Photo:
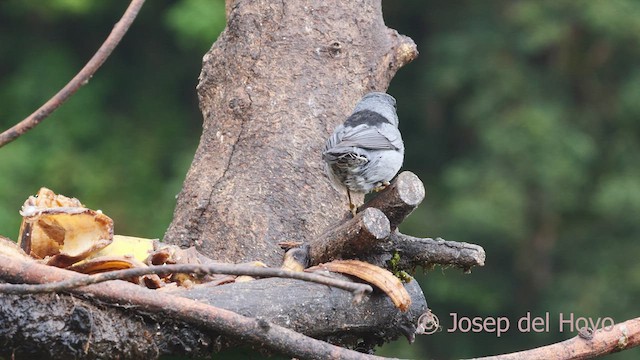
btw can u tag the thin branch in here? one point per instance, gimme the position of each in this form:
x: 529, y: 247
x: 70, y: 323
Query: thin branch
x: 586, y: 346
x: 425, y: 252
x: 258, y: 332
x: 230, y: 269
x: 80, y: 79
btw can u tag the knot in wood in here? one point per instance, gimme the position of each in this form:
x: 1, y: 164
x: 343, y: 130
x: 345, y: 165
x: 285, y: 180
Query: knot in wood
x: 238, y: 105
x: 80, y: 320
x: 334, y: 49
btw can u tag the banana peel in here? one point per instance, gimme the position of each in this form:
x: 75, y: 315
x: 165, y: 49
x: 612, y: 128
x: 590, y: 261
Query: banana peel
x: 245, y: 278
x: 61, y: 230
x: 130, y: 247
x: 377, y: 276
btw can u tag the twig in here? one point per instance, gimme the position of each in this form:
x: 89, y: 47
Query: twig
x: 230, y: 269
x: 80, y: 79
x: 254, y: 331
x: 604, y: 341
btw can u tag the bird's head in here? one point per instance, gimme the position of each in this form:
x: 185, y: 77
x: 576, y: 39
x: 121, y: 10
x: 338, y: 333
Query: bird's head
x: 380, y: 102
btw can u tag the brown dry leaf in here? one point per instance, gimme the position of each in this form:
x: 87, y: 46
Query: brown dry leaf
x: 104, y: 264
x: 377, y: 276
x: 108, y: 263
x: 61, y: 229
x: 152, y: 281
x: 172, y: 254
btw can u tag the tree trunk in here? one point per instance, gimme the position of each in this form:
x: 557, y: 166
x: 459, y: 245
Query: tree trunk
x: 277, y: 81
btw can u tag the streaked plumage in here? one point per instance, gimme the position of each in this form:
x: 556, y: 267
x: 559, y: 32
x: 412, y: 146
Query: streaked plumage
x: 367, y: 151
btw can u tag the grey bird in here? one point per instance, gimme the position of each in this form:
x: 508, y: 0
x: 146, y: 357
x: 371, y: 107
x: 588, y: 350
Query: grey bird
x: 365, y: 152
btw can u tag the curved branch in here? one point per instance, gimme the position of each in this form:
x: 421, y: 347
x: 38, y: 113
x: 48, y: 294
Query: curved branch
x: 585, y: 346
x: 80, y: 79
x: 230, y: 269
x: 258, y: 332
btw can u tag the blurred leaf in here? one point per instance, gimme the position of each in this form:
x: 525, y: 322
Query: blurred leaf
x: 197, y: 22
x: 53, y: 9
x: 618, y: 196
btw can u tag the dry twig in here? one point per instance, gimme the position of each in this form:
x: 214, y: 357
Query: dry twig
x: 80, y: 79
x: 230, y: 269
x: 604, y: 341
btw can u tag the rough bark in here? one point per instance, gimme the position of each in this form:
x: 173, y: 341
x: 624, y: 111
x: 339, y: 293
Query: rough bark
x: 277, y: 81
x: 317, y: 310
x: 62, y: 326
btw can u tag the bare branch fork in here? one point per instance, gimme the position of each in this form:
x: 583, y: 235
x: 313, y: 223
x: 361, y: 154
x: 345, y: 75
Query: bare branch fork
x: 79, y: 80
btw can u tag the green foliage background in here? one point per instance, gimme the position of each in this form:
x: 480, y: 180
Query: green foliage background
x: 521, y: 117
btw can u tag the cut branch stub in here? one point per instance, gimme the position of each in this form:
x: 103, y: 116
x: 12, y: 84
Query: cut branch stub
x: 399, y: 199
x: 426, y: 252
x: 352, y: 238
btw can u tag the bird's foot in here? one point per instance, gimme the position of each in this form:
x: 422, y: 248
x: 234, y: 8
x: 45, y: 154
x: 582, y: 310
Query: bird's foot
x: 383, y: 185
x: 353, y: 208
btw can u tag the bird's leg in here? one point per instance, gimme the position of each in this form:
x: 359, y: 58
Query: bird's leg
x: 383, y: 185
x: 352, y: 206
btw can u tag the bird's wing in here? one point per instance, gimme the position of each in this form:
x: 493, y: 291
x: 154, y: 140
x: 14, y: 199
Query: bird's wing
x: 370, y: 137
